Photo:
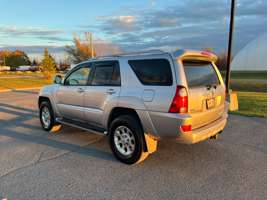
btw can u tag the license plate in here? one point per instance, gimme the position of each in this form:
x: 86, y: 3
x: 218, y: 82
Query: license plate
x: 210, y: 103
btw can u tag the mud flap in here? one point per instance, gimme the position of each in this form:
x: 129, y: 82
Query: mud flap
x: 233, y: 106
x: 151, y: 144
x: 56, y: 128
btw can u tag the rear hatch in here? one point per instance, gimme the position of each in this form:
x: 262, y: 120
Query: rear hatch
x: 206, y: 93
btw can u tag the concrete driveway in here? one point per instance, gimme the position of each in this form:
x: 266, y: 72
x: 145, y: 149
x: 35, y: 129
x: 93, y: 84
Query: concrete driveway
x: 75, y: 164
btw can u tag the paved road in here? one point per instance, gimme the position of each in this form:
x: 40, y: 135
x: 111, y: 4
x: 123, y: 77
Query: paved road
x: 74, y: 164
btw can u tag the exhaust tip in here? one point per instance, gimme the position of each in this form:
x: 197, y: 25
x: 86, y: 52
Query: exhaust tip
x: 214, y: 137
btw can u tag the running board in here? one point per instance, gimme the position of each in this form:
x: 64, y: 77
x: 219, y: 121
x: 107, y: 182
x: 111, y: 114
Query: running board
x: 84, y: 126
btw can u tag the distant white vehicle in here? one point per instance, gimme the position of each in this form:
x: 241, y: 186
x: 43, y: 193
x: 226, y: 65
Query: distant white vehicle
x: 4, y: 68
x: 24, y: 68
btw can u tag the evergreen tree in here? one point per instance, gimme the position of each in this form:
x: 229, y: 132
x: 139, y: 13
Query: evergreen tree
x: 48, y: 66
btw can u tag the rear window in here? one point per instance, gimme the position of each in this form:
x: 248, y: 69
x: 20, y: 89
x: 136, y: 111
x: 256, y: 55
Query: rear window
x: 152, y: 72
x: 199, y: 74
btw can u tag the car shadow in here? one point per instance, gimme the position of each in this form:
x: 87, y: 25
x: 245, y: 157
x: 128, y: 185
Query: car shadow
x: 38, y: 136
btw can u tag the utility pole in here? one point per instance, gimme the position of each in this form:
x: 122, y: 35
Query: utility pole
x: 89, y: 38
x: 231, y: 31
x: 92, y: 45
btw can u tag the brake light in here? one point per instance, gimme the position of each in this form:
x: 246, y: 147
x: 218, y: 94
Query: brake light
x: 206, y: 53
x: 186, y: 128
x: 180, y: 101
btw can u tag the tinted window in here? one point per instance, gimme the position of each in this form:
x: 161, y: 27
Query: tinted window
x: 106, y: 74
x: 78, y: 77
x: 200, y: 74
x: 152, y: 72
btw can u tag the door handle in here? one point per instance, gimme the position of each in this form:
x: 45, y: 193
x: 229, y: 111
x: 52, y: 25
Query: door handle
x: 110, y: 91
x: 80, y: 90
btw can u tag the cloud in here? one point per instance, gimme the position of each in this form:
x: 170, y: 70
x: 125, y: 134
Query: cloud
x: 34, y: 48
x: 30, y: 31
x: 190, y: 23
x: 122, y: 23
x: 49, y: 35
x: 55, y: 38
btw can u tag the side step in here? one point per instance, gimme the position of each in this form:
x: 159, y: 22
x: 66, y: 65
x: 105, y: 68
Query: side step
x: 84, y: 126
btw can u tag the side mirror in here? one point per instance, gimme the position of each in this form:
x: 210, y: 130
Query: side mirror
x: 58, y: 79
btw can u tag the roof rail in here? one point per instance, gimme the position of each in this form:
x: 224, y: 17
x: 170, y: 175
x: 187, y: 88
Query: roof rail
x: 153, y: 51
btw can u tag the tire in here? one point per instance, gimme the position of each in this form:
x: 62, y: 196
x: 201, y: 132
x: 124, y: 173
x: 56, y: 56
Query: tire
x: 134, y: 143
x: 45, y: 107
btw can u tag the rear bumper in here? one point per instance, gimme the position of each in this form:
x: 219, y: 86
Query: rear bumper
x: 202, y: 133
x: 166, y: 126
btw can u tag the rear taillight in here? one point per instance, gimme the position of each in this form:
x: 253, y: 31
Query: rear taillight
x: 186, y: 128
x: 180, y: 101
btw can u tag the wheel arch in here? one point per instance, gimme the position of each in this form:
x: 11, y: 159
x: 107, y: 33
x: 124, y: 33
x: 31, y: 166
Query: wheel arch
x: 118, y: 111
x: 51, y: 101
x: 42, y: 99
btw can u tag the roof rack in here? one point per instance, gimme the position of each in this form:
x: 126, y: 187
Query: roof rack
x: 153, y: 51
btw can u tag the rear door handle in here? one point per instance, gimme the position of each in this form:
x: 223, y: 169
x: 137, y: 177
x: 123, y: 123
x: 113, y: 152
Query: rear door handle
x: 80, y: 90
x: 110, y: 91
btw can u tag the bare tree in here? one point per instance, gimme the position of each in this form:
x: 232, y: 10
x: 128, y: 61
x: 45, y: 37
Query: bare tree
x: 82, y: 50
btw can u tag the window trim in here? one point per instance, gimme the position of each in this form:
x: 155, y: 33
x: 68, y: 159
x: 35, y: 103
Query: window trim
x: 113, y: 63
x: 151, y: 59
x: 83, y: 65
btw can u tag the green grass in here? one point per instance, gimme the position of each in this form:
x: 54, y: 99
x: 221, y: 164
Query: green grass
x: 249, y: 85
x: 252, y: 104
x: 253, y: 81
x: 247, y: 75
x: 16, y: 83
x: 11, y: 73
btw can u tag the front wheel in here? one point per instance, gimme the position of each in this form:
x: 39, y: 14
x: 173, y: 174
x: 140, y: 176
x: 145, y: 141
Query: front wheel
x: 126, y: 139
x: 46, y: 116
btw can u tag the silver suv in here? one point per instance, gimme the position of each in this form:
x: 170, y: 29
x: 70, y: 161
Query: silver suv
x: 139, y: 98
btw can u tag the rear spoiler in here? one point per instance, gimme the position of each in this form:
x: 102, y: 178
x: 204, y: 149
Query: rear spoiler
x: 195, y: 55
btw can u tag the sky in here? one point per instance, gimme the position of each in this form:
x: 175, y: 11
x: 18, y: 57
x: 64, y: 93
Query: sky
x: 32, y: 25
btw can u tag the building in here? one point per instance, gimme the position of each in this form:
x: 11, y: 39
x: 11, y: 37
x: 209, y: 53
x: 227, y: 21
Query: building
x: 253, y: 57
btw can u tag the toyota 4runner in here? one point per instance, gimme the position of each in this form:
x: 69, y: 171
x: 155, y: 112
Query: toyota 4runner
x: 137, y: 99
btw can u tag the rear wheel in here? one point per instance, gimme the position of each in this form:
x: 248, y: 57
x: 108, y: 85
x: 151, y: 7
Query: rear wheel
x: 46, y: 116
x: 126, y: 140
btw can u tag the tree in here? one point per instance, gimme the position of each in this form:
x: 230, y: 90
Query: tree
x: 3, y: 55
x: 63, y: 65
x: 14, y: 59
x: 35, y: 62
x: 48, y: 65
x: 222, y: 61
x: 81, y: 51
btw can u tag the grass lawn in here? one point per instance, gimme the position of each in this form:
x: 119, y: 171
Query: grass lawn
x: 249, y: 85
x: 249, y: 75
x: 15, y: 83
x: 252, y: 104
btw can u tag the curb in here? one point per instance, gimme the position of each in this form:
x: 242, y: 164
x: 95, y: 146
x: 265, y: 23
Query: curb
x: 20, y: 89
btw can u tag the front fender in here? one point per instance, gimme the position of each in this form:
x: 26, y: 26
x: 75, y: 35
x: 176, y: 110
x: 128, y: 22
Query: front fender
x: 50, y: 93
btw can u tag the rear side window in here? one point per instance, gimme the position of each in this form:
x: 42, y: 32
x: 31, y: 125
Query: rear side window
x: 200, y: 74
x: 152, y: 72
x: 106, y: 74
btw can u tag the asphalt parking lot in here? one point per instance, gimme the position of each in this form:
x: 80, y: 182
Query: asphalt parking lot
x: 75, y: 164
